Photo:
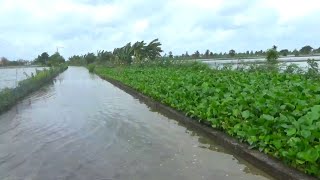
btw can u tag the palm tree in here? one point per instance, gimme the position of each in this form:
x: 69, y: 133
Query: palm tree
x: 153, y: 49
x: 139, y: 51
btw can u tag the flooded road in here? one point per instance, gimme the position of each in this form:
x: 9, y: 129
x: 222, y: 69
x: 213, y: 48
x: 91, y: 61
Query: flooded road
x: 82, y: 127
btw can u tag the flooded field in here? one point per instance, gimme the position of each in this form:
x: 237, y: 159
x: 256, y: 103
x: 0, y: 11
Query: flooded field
x: 281, y: 59
x: 9, y: 77
x: 82, y: 127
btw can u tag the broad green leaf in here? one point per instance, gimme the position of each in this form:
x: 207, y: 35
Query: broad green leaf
x: 291, y: 131
x: 311, y: 155
x: 245, y: 114
x: 267, y: 117
x: 305, y: 133
x: 277, y: 144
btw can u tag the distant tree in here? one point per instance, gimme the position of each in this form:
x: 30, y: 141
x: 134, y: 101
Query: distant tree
x: 232, y: 53
x: 211, y: 55
x: 274, y: 47
x: 55, y: 59
x: 4, y: 61
x: 207, y: 54
x: 89, y: 58
x: 272, y: 55
x: 76, y: 60
x: 247, y: 53
x: 251, y: 53
x: 306, y: 49
x: 170, y: 54
x: 44, y: 57
x: 284, y: 52
x: 153, y: 49
x: 196, y: 54
x: 187, y: 55
x: 295, y: 52
x: 104, y: 56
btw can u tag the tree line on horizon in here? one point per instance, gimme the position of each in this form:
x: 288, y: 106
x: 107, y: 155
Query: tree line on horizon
x: 6, y: 62
x: 141, y: 51
x: 43, y: 59
x: 305, y: 50
x: 137, y: 52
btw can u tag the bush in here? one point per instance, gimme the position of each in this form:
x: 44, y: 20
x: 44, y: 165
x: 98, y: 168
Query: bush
x: 91, y: 67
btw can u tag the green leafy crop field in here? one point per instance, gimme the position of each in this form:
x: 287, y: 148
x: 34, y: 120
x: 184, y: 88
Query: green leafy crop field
x: 276, y: 113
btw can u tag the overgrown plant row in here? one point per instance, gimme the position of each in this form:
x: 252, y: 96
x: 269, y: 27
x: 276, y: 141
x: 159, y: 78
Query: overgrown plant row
x: 10, y: 96
x: 276, y: 113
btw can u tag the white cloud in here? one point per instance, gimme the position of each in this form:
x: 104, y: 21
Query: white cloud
x: 30, y: 27
x: 140, y: 26
x: 291, y: 10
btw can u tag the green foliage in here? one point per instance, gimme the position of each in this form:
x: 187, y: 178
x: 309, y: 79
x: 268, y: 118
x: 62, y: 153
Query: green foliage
x: 196, y: 55
x: 9, y: 97
x: 89, y: 58
x: 207, y: 54
x: 276, y: 113
x: 313, y: 70
x: 76, y: 60
x: 232, y: 53
x: 91, y: 68
x: 284, y: 52
x: 139, y: 52
x: 272, y: 56
x: 6, y: 62
x: 306, y: 49
x: 104, y: 57
x: 293, y: 68
x: 55, y: 59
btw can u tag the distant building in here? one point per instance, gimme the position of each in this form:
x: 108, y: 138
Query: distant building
x: 1, y: 62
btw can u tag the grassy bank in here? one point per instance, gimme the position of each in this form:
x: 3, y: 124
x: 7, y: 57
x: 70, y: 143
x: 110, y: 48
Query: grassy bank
x: 276, y: 113
x: 10, y: 96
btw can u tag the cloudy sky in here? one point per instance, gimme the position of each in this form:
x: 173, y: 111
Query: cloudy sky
x: 28, y: 28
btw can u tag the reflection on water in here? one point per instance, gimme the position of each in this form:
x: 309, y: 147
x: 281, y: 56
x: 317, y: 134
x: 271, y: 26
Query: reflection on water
x: 81, y: 127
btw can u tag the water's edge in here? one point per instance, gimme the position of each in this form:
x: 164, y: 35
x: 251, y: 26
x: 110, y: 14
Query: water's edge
x: 17, y: 100
x: 270, y: 165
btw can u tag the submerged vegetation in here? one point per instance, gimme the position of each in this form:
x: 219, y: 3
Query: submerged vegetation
x: 9, y: 96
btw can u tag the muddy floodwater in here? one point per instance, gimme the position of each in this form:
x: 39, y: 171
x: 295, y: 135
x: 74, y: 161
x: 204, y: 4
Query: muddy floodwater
x: 82, y: 127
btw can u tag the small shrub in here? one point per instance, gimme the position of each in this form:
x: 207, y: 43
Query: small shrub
x: 91, y: 68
